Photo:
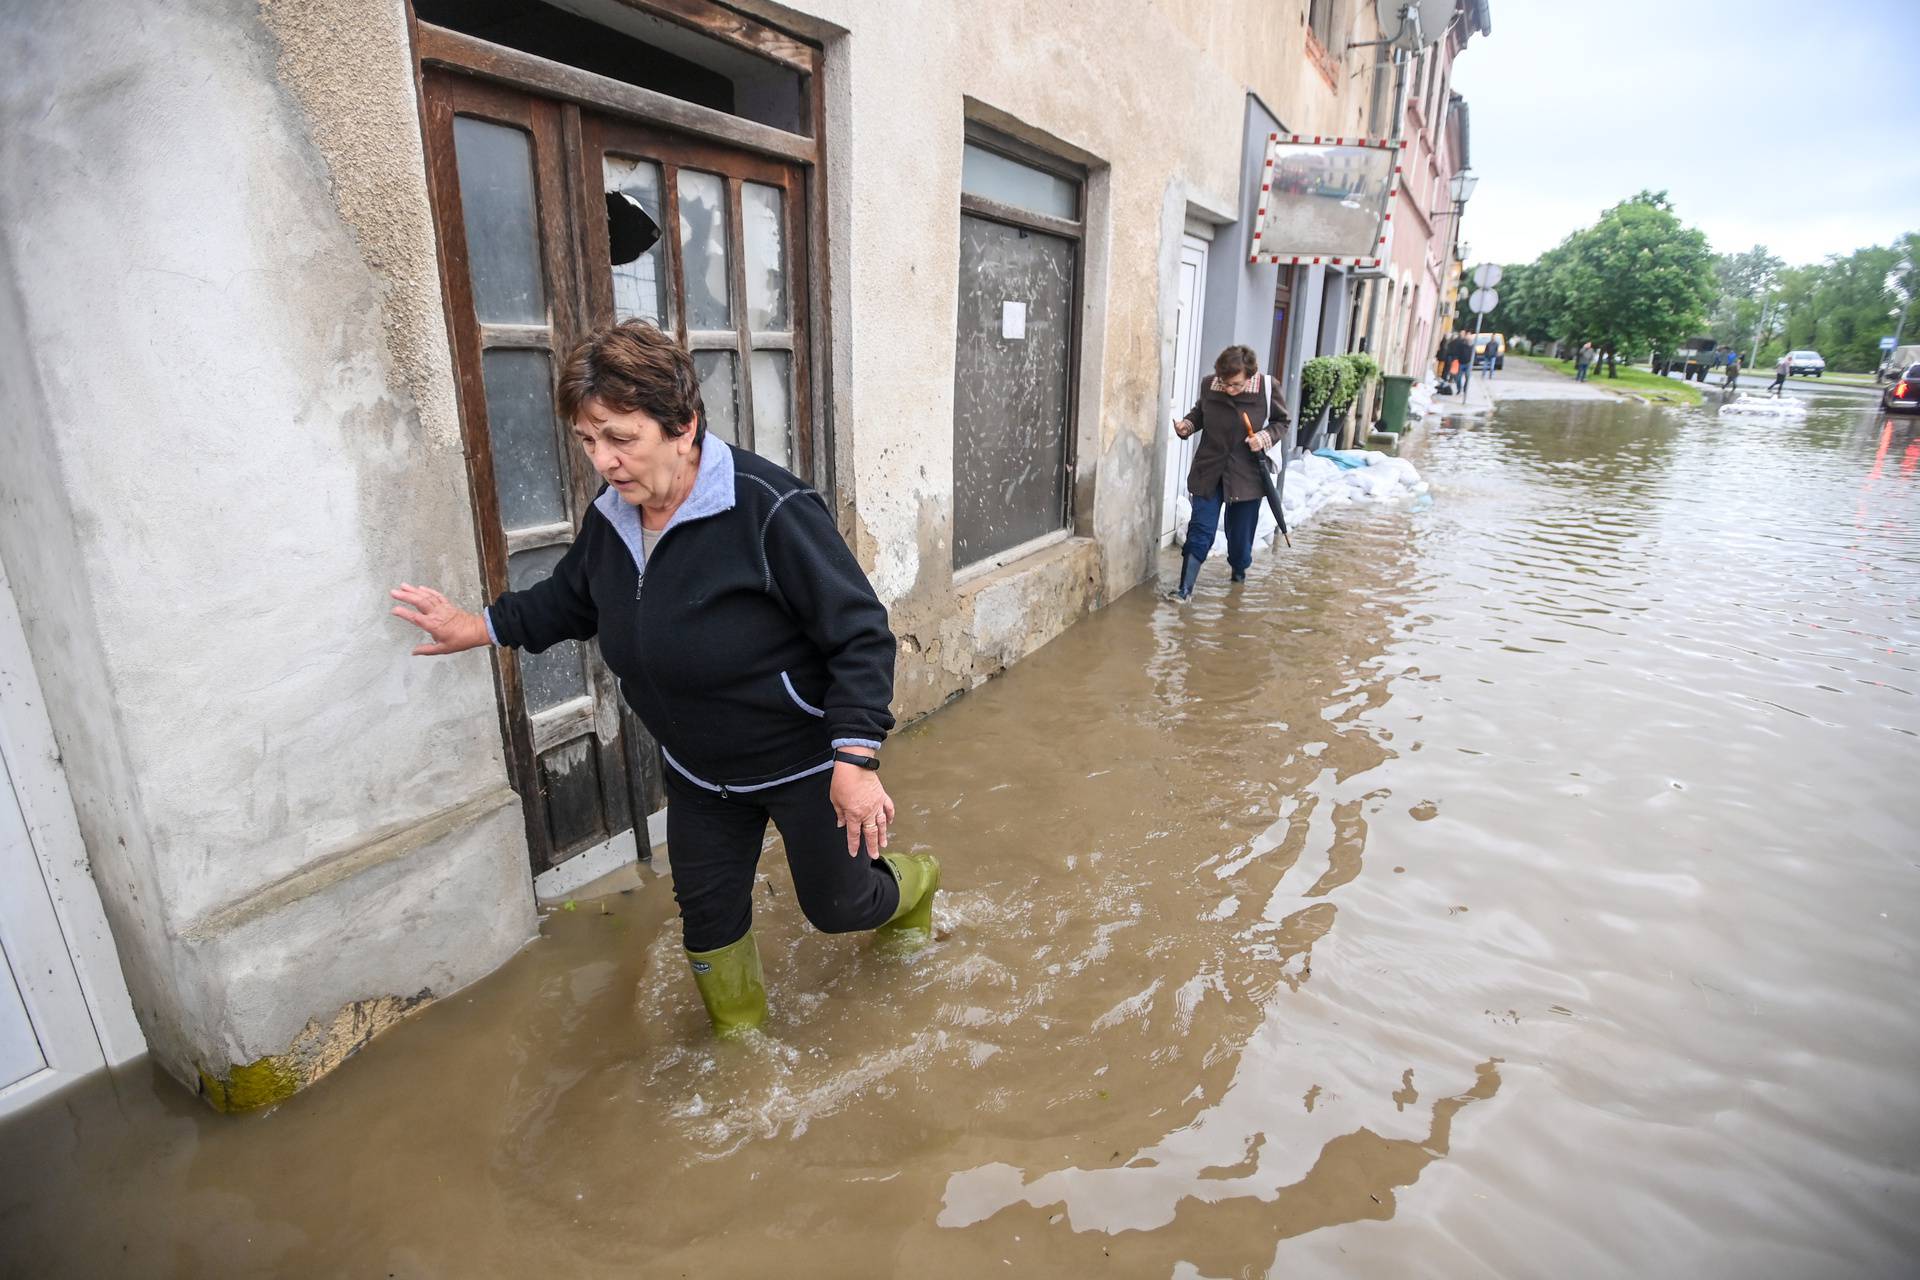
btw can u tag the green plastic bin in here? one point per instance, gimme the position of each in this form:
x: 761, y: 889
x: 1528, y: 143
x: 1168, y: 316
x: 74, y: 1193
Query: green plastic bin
x: 1394, y: 393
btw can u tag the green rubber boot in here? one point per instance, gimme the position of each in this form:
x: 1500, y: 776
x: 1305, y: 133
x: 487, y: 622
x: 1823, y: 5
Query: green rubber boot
x: 731, y: 986
x: 919, y: 878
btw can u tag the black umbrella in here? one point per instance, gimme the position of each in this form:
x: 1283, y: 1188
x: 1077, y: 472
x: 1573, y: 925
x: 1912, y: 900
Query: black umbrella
x: 1266, y: 479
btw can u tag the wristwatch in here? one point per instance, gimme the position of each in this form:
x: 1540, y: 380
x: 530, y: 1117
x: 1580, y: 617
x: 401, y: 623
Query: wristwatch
x: 864, y: 762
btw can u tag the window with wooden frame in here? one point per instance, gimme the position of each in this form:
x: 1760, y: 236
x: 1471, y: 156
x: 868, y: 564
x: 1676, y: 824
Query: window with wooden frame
x: 1017, y: 357
x: 566, y: 199
x: 1320, y: 21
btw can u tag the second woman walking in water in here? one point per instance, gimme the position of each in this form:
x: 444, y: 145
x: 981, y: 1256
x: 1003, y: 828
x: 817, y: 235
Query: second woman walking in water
x: 1225, y: 476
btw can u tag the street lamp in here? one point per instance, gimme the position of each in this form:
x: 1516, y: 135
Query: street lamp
x: 1460, y: 190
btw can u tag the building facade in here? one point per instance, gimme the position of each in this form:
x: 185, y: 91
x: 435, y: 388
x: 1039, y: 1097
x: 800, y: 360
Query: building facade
x: 287, y: 281
x: 1426, y: 219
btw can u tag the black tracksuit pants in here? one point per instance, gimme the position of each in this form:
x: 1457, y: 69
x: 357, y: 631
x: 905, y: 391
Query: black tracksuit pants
x: 713, y: 845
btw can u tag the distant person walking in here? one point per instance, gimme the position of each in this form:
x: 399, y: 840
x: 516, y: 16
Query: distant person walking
x: 1779, y: 378
x: 1733, y: 368
x: 1581, y: 360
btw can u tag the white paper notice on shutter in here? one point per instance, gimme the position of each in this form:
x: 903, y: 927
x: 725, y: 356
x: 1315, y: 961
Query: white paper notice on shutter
x: 1013, y: 321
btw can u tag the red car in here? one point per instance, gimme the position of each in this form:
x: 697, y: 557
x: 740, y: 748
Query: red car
x: 1902, y: 394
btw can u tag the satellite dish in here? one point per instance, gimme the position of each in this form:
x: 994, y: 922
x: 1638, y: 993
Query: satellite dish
x: 1414, y: 24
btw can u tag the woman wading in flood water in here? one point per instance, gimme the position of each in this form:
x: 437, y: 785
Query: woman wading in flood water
x: 1226, y: 466
x: 749, y: 643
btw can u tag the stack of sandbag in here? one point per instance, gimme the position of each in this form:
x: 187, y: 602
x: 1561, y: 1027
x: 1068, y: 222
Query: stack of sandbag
x: 1766, y: 406
x: 1334, y: 477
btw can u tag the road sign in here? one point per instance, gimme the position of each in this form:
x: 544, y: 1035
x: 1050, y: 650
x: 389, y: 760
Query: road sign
x: 1886, y: 344
x: 1484, y: 299
x: 1487, y: 275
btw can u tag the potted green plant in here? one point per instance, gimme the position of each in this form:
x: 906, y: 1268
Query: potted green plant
x: 1319, y: 379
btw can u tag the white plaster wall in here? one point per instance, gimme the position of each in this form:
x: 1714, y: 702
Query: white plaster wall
x: 228, y: 468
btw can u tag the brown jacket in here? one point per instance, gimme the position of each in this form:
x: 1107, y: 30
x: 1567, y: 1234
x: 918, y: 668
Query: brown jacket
x: 1223, y: 451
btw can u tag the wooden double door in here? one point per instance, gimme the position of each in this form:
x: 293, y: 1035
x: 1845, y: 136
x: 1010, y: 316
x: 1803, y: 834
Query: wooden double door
x: 554, y: 219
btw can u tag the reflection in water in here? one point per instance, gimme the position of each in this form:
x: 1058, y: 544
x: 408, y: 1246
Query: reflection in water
x: 1580, y: 793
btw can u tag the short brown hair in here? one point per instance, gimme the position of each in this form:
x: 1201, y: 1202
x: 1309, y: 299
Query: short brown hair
x: 1236, y: 359
x: 632, y: 367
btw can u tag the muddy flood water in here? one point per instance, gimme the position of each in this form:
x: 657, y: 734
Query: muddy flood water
x: 1522, y: 881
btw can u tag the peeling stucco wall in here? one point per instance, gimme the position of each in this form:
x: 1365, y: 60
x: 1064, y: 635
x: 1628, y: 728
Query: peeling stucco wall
x: 348, y: 64
x: 235, y: 428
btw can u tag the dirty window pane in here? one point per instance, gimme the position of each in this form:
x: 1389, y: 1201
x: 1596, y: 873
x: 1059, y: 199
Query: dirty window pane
x: 635, y: 216
x: 570, y: 775
x: 765, y: 247
x: 992, y: 176
x: 720, y: 392
x: 497, y: 207
x: 526, y: 457
x: 555, y: 676
x: 703, y: 249
x: 1010, y: 393
x: 772, y: 406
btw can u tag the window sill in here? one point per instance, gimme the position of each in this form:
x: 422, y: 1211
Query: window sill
x: 1011, y: 556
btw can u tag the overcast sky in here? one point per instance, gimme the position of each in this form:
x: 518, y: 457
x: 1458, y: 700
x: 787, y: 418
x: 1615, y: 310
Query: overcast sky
x: 1765, y: 122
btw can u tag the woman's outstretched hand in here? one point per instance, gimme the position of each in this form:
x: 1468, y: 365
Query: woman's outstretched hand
x: 453, y: 629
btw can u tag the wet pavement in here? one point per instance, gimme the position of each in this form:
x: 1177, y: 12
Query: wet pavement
x: 1521, y: 881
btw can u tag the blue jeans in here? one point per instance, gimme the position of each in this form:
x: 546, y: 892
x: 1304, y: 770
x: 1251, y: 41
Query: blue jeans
x: 1579, y: 372
x: 1243, y: 519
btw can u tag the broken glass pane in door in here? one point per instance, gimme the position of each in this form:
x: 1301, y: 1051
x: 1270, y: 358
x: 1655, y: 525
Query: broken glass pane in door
x: 635, y: 246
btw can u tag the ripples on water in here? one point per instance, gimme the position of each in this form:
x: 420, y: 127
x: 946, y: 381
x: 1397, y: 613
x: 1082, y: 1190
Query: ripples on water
x: 1519, y: 882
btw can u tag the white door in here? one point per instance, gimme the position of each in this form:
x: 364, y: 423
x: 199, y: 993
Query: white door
x: 1186, y: 380
x: 46, y: 1034
x: 64, y: 1009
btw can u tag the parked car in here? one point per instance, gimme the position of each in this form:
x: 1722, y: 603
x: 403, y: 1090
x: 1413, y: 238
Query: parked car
x: 1902, y: 395
x: 1896, y: 363
x: 1802, y: 363
x: 1691, y: 360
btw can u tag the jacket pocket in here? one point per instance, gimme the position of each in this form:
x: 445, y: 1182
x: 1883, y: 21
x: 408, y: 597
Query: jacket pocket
x: 786, y: 682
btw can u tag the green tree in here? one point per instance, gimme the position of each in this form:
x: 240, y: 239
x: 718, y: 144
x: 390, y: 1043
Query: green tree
x: 1745, y: 280
x: 1843, y: 307
x: 1526, y: 303
x: 1634, y: 281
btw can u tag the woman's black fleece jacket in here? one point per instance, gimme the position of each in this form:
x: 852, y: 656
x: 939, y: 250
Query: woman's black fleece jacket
x: 749, y: 644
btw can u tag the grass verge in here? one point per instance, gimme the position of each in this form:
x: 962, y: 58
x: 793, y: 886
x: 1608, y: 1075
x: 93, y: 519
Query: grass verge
x: 1637, y: 381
